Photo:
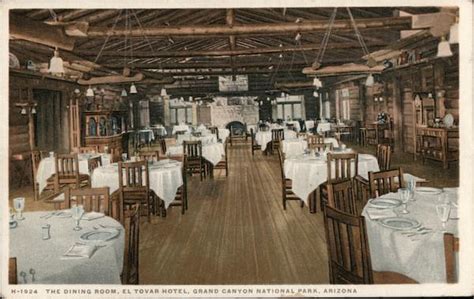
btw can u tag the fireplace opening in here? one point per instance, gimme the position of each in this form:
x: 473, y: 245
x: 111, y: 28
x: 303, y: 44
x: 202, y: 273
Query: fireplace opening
x: 236, y: 128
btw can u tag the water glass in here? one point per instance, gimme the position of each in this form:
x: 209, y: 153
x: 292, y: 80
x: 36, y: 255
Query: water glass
x: 443, y: 198
x: 19, y: 205
x: 443, y: 210
x: 404, y: 195
x: 77, y: 212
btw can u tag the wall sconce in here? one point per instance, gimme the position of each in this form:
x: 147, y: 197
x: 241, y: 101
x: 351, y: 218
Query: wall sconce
x: 27, y: 108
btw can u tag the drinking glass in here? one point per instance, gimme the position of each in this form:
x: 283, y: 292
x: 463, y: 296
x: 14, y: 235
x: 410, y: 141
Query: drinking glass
x: 77, y: 212
x: 443, y: 198
x: 443, y: 211
x: 19, y: 204
x: 404, y: 195
x: 411, y: 185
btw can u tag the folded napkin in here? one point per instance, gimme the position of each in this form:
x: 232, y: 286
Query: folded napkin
x: 78, y: 251
x: 92, y: 216
x: 380, y: 213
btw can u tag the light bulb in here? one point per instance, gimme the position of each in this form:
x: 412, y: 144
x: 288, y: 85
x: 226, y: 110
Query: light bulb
x: 163, y: 92
x: 89, y: 92
x: 124, y: 93
x: 133, y: 88
x: 370, y: 80
x: 444, y: 49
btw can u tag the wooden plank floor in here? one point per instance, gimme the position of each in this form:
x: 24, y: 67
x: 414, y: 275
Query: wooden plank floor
x: 236, y: 232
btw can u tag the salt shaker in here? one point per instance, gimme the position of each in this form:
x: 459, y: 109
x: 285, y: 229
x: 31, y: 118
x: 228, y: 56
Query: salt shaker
x: 45, y: 231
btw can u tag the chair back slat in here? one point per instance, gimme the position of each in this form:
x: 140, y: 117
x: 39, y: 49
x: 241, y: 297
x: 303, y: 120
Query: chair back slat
x: 133, y: 176
x: 192, y: 149
x: 315, y: 139
x: 386, y: 181
x: 384, y: 154
x: 278, y: 134
x: 162, y: 142
x: 93, y: 199
x: 348, y: 251
x: 341, y: 196
x: 67, y: 165
x: 339, y: 165
x: 320, y: 147
x: 130, y: 273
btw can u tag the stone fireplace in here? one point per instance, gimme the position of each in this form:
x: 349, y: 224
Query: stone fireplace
x: 222, y: 115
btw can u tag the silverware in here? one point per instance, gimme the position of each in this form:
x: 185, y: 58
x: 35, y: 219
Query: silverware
x: 23, y: 274
x: 32, y: 272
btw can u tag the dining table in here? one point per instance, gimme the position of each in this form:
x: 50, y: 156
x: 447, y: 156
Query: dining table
x: 223, y: 134
x: 165, y: 177
x: 308, y: 171
x: 264, y: 137
x: 204, y: 138
x: 323, y: 127
x: 294, y: 146
x: 181, y: 127
x: 411, y: 244
x: 45, y: 261
x: 146, y: 135
x: 47, y: 168
x: 309, y: 124
x: 159, y: 130
x: 295, y: 123
x: 212, y: 152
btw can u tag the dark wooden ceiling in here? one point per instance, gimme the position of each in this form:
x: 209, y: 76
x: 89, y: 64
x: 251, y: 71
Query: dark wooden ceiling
x: 267, y: 57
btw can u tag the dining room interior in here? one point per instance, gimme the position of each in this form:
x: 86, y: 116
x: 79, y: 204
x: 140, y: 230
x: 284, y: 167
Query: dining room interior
x: 240, y: 146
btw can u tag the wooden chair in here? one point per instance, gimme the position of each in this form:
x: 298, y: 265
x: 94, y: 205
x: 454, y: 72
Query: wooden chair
x: 12, y: 271
x: 181, y: 198
x: 162, y: 142
x: 67, y: 173
x: 254, y: 145
x: 341, y: 196
x: 384, y: 154
x: 386, y: 181
x: 131, y: 265
x: 321, y: 147
x: 287, y: 193
x: 134, y: 186
x: 214, y: 130
x: 196, y: 134
x: 223, y: 164
x: 277, y: 136
x: 193, y: 155
x: 361, y: 192
x: 315, y: 139
x: 236, y: 137
x: 94, y: 162
x: 291, y: 127
x: 363, y: 136
x: 302, y: 134
x: 339, y: 166
x: 36, y: 157
x: 149, y: 156
x: 349, y: 253
x: 182, y: 132
x: 93, y: 199
x: 451, y: 248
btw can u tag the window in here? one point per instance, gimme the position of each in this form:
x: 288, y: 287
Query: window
x: 144, y: 113
x: 327, y: 109
x: 181, y: 115
x: 289, y: 108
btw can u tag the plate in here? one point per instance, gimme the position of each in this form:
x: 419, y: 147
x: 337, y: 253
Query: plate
x: 428, y: 190
x: 448, y: 120
x: 63, y: 214
x: 385, y: 203
x: 400, y: 223
x: 101, y: 235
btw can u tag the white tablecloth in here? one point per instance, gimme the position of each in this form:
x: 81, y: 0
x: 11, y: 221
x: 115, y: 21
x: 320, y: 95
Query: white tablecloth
x: 307, y: 173
x: 44, y: 256
x: 159, y: 130
x: 46, y: 168
x: 146, y: 135
x: 309, y: 124
x: 224, y: 134
x: 294, y: 147
x: 180, y: 128
x: 213, y: 153
x: 263, y: 138
x: 331, y: 140
x: 421, y: 259
x: 323, y: 127
x: 165, y: 178
x: 295, y: 123
x: 205, y: 139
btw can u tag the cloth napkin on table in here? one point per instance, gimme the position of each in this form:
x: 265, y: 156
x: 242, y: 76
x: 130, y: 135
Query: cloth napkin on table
x: 78, y: 251
x: 380, y: 213
x: 92, y: 216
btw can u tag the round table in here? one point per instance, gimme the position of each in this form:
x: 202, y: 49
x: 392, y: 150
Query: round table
x: 178, y: 128
x: 308, y: 172
x: 264, y: 137
x: 420, y: 257
x: 165, y: 178
x: 294, y: 147
x: 46, y: 256
x: 213, y: 152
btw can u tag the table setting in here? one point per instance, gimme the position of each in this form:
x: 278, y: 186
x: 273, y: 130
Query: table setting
x: 67, y: 247
x: 405, y: 231
x: 165, y: 178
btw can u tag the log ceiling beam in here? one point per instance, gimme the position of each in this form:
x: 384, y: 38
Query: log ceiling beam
x: 401, y: 23
x: 236, y: 52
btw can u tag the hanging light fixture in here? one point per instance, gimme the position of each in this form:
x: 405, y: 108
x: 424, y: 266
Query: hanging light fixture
x: 56, y: 64
x: 370, y: 80
x: 89, y: 92
x: 163, y: 92
x: 190, y: 99
x: 133, y: 88
x: 283, y: 95
x: 23, y: 110
x: 444, y: 50
x: 453, y: 33
x: 317, y: 83
x: 316, y: 94
x: 33, y: 110
x: 124, y: 93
